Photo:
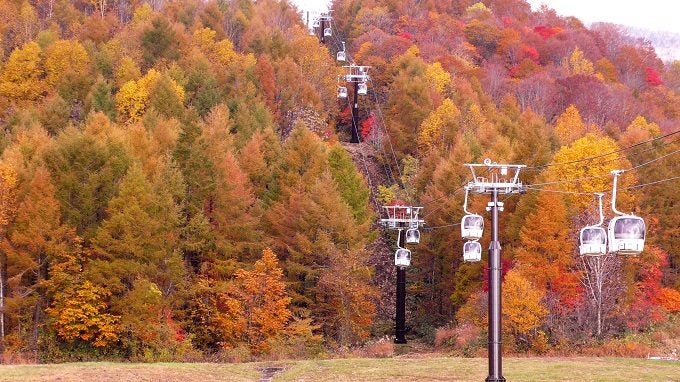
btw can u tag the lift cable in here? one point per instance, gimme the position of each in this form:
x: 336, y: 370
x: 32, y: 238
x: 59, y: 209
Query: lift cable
x: 338, y: 43
x: 382, y: 120
x: 534, y: 187
x: 559, y: 191
x: 633, y: 187
x: 637, y: 153
x: 454, y: 191
x: 651, y: 183
x: 440, y: 226
x: 363, y: 159
x: 605, y: 175
x: 388, y: 171
x: 653, y: 160
x: 458, y: 224
x: 605, y: 154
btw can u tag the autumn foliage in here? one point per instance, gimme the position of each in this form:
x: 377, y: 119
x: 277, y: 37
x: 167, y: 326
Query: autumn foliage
x: 174, y: 182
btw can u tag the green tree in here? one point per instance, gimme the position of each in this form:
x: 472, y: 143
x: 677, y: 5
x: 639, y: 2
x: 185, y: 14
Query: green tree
x: 350, y: 183
x: 409, y: 103
x: 85, y: 170
x: 100, y: 99
x: 159, y: 41
x: 138, y: 238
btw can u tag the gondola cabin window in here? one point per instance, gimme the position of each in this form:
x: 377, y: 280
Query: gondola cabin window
x: 627, y: 235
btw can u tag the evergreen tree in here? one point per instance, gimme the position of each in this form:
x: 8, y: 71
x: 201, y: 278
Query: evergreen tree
x: 41, y: 246
x: 350, y: 183
x: 85, y: 170
x: 544, y: 255
x: 138, y: 238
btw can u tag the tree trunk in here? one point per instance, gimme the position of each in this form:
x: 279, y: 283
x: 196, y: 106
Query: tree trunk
x: 2, y: 306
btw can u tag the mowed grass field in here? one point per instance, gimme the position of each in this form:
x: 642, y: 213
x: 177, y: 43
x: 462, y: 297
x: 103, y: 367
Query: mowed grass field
x: 429, y: 368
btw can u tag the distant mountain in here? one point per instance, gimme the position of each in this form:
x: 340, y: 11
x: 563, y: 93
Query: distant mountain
x: 666, y: 44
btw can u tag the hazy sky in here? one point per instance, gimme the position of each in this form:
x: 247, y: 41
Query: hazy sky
x: 311, y: 5
x: 648, y: 14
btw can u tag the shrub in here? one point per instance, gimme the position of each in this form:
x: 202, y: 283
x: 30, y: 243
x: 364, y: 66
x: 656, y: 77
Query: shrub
x: 382, y: 348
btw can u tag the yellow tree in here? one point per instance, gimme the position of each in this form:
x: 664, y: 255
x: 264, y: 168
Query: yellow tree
x: 437, y: 76
x: 441, y: 123
x: 587, y: 176
x: 8, y: 184
x: 257, y: 304
x: 127, y: 70
x: 569, y: 126
x: 577, y: 63
x: 65, y: 56
x: 79, y: 313
x: 606, y: 70
x: 639, y: 130
x: 134, y: 97
x: 22, y: 77
x: 523, y: 311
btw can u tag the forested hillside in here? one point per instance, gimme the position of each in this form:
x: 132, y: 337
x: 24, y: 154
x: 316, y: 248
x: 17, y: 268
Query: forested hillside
x: 173, y: 180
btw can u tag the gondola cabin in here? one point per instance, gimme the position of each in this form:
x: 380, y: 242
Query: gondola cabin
x: 472, y: 251
x: 341, y: 56
x: 472, y: 227
x: 593, y: 241
x: 327, y: 32
x: 342, y: 92
x: 626, y: 235
x: 362, y: 88
x: 412, y: 236
x: 402, y: 257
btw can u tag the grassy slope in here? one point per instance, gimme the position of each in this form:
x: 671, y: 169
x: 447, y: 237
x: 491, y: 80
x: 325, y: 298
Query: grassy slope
x: 119, y: 372
x: 462, y: 369
x: 394, y: 369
